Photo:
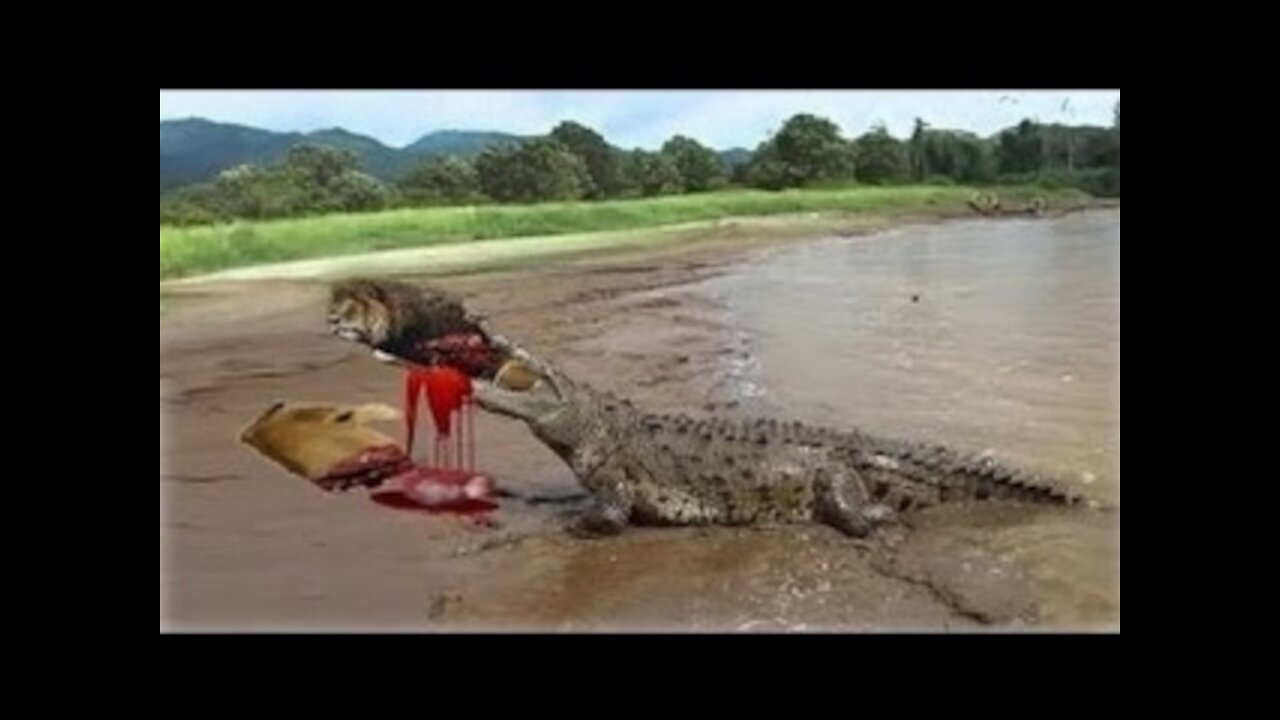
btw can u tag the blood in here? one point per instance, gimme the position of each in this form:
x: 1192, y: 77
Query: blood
x: 447, y: 365
x: 449, y: 394
x: 449, y: 483
x: 400, y: 500
x: 465, y: 351
x: 436, y: 490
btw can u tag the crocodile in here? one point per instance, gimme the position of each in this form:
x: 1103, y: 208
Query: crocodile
x: 645, y: 468
x: 990, y: 204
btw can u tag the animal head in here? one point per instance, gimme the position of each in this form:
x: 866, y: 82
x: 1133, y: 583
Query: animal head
x: 385, y: 313
x: 361, y: 311
x: 399, y: 317
x: 328, y: 444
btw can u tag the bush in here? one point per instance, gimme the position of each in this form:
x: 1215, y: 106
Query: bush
x: 1100, y: 182
x: 536, y: 171
x: 699, y: 167
x: 653, y: 173
x: 441, y: 180
x: 1103, y: 183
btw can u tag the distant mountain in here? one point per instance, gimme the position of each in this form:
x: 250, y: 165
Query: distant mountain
x: 377, y: 159
x: 733, y: 157
x: 464, y: 143
x: 196, y: 150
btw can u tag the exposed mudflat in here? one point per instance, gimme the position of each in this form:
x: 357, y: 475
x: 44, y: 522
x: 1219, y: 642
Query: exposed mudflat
x: 1010, y: 345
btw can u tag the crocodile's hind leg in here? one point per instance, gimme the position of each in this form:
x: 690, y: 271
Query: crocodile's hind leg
x: 843, y: 503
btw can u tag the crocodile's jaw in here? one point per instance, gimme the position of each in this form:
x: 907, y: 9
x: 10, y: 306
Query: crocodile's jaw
x: 535, y: 405
x: 563, y: 415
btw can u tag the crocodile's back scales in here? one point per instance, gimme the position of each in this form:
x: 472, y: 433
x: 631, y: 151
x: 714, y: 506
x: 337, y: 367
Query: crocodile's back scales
x: 682, y: 470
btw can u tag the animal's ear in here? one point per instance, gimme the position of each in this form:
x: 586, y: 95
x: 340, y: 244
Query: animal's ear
x: 374, y: 412
x: 359, y: 287
x: 248, y: 434
x: 276, y: 407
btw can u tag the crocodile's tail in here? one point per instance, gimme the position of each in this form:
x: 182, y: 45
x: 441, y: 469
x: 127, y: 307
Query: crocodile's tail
x: 983, y: 478
x: 958, y: 477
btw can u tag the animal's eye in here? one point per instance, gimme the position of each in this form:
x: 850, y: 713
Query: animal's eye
x: 344, y: 417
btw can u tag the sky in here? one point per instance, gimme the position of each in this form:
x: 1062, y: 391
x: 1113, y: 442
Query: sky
x: 630, y: 118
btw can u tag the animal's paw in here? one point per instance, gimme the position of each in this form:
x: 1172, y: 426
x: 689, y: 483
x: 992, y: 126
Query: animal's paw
x: 879, y: 514
x: 851, y: 524
x: 592, y: 526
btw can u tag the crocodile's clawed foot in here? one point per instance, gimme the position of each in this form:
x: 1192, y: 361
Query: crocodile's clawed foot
x: 880, y: 514
x: 599, y: 521
x: 584, y: 529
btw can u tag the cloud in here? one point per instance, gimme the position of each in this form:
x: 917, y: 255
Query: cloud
x: 633, y: 118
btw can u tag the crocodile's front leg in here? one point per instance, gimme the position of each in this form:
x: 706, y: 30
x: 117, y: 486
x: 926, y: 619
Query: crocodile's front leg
x: 608, y: 513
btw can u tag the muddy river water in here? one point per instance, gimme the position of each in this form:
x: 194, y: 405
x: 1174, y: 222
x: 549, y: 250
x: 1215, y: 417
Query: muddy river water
x: 1001, y: 337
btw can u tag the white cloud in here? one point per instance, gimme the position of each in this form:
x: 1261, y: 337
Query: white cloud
x: 632, y: 118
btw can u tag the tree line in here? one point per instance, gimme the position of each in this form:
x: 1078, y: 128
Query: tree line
x: 574, y: 162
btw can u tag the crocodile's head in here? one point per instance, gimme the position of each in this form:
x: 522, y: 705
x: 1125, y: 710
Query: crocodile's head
x: 561, y: 413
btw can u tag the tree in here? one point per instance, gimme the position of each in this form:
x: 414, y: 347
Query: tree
x: 881, y: 158
x: 955, y: 154
x: 538, y: 170
x: 550, y: 171
x: 699, y: 167
x: 328, y: 179
x: 766, y: 169
x: 442, y: 179
x: 919, y: 165
x: 627, y: 180
x: 1095, y: 147
x: 807, y: 149
x: 355, y: 191
x: 813, y: 149
x: 235, y: 192
x: 1117, y: 134
x: 974, y: 159
x: 494, y: 171
x: 653, y: 173
x: 319, y: 165
x: 601, y: 160
x: 1021, y: 149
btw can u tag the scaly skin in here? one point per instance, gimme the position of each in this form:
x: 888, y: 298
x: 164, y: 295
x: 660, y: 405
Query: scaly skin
x: 660, y: 469
x: 646, y: 468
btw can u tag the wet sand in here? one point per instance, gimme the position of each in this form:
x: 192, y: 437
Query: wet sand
x: 244, y: 546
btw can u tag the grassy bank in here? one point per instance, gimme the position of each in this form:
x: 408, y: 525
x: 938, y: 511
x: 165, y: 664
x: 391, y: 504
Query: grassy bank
x: 192, y: 251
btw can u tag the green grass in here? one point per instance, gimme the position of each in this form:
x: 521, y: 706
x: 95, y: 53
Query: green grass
x: 196, y: 250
